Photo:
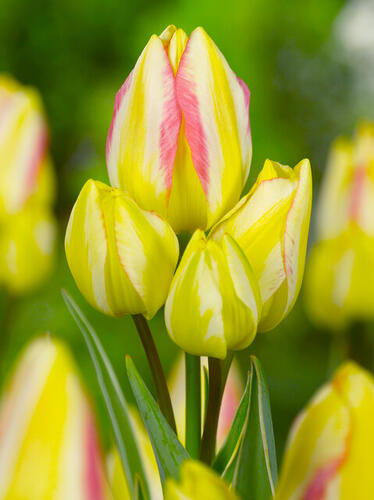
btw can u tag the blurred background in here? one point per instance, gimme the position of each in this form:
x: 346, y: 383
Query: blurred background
x: 309, y: 66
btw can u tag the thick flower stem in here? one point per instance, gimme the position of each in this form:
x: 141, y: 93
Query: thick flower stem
x: 193, y: 405
x: 208, y: 442
x: 158, y: 374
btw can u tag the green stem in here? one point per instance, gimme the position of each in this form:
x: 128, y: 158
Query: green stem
x: 5, y: 335
x: 360, y: 345
x: 208, y: 441
x: 193, y: 405
x: 157, y: 371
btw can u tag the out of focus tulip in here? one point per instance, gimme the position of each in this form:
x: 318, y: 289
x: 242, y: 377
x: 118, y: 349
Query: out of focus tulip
x: 230, y: 400
x: 27, y: 241
x: 224, y: 303
x: 180, y: 141
x: 271, y: 225
x: 48, y: 442
x: 339, y: 282
x: 329, y: 455
x: 25, y: 169
x: 197, y: 482
x: 121, y: 257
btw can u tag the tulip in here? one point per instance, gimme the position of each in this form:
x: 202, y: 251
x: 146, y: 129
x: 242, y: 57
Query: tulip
x: 48, y: 441
x: 180, y: 141
x: 347, y: 192
x: 330, y: 447
x: 339, y: 282
x: 230, y: 400
x: 339, y: 285
x: 121, y: 257
x: 25, y: 168
x: 27, y: 241
x: 197, y: 481
x: 223, y: 305
x: 271, y: 225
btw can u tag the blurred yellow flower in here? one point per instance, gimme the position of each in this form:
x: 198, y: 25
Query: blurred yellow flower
x: 48, y: 443
x: 180, y: 140
x: 121, y: 257
x: 27, y: 189
x: 330, y: 447
x: 339, y: 282
x: 197, y: 482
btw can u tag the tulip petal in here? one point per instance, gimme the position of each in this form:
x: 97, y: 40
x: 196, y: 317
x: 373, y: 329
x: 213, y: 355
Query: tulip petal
x: 215, y: 108
x: 146, y: 114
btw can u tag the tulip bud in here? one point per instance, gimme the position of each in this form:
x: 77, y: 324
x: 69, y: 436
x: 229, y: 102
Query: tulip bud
x: 347, y: 191
x: 339, y: 281
x: 271, y: 225
x: 27, y: 241
x: 121, y: 257
x: 23, y: 146
x: 223, y: 305
x: 48, y: 442
x: 330, y: 447
x: 197, y: 482
x: 180, y: 141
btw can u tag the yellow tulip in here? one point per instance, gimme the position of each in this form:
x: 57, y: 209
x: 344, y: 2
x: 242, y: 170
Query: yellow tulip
x: 330, y: 448
x: 197, y: 482
x: 27, y: 241
x: 271, y: 225
x: 180, y: 139
x: 339, y: 284
x: 347, y: 191
x: 339, y: 281
x: 223, y: 302
x: 25, y: 169
x: 121, y: 257
x: 48, y: 442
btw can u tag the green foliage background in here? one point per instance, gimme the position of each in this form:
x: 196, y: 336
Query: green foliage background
x: 78, y: 53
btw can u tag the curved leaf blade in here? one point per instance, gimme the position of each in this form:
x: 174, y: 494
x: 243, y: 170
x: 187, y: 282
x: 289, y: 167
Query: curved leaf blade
x: 168, y: 450
x: 256, y: 472
x: 233, y: 437
x: 114, y: 400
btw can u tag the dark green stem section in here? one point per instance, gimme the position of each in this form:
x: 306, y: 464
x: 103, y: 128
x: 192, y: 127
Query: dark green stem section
x: 208, y: 441
x: 361, y: 345
x: 5, y: 334
x: 193, y: 405
x: 157, y: 371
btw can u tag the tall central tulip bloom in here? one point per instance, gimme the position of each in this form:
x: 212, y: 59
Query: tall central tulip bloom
x: 180, y: 140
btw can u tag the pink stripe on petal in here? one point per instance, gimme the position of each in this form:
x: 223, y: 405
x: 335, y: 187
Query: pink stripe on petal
x: 317, y: 488
x: 170, y: 126
x: 117, y: 104
x: 36, y: 161
x: 194, y: 130
x: 93, y: 472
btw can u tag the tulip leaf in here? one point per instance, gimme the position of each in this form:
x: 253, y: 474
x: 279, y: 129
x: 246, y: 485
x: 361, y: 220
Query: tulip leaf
x: 256, y: 472
x: 115, y: 402
x: 167, y: 448
x: 231, y: 442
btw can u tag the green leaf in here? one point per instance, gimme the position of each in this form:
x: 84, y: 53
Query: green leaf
x: 256, y: 472
x: 229, y: 446
x: 115, y: 402
x: 168, y: 450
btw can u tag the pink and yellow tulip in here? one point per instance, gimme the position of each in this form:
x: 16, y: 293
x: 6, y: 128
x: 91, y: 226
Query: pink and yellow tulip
x: 330, y: 448
x: 180, y: 141
x: 49, y: 447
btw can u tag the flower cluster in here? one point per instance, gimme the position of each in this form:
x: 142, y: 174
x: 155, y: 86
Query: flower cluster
x: 178, y: 156
x: 27, y: 226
